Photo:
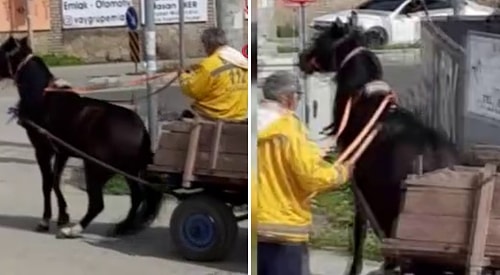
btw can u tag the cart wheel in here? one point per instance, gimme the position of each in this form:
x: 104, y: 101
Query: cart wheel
x: 203, y: 229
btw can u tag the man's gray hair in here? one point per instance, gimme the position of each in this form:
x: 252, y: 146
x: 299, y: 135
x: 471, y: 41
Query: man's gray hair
x: 213, y: 38
x: 278, y: 83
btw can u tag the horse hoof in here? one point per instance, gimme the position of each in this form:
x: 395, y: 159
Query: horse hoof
x: 69, y: 232
x: 117, y: 231
x: 122, y: 230
x: 42, y: 228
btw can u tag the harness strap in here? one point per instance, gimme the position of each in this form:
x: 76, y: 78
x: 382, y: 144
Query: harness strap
x: 351, y: 54
x: 19, y: 67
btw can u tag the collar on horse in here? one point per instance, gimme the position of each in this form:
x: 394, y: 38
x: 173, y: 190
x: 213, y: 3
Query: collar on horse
x: 23, y: 62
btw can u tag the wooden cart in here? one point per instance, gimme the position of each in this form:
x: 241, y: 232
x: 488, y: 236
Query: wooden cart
x: 451, y: 218
x: 205, y: 166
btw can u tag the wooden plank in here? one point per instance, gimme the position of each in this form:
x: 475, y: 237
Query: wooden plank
x: 445, y: 178
x: 231, y: 129
x: 180, y: 141
x: 438, y: 202
x: 420, y: 249
x: 480, y: 222
x: 452, y: 230
x: 217, y: 174
x: 417, y: 227
x: 226, y: 162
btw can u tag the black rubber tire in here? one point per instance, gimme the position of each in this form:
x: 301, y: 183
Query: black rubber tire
x: 376, y: 37
x: 223, y: 221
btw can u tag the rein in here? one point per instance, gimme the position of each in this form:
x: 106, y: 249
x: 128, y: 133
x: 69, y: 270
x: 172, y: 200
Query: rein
x: 52, y: 86
x: 19, y: 66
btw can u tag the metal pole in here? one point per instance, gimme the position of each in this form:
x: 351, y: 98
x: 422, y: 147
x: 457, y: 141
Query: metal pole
x: 182, y: 53
x: 253, y: 131
x: 230, y: 19
x: 28, y: 23
x: 150, y: 41
x: 303, y: 42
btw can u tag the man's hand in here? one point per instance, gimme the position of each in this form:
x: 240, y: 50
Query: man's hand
x: 350, y: 169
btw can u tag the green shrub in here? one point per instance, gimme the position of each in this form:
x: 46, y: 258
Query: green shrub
x: 54, y: 60
x: 117, y: 185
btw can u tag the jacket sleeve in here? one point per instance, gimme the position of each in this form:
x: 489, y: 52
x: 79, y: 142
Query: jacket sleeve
x: 307, y: 164
x: 196, y: 83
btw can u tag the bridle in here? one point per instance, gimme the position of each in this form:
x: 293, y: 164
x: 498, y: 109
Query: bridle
x: 8, y: 55
x: 314, y: 63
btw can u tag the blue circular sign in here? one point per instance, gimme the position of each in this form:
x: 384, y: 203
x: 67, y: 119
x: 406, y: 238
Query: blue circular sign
x: 132, y: 18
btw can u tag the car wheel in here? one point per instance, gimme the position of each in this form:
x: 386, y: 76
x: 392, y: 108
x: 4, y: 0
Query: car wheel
x: 376, y: 37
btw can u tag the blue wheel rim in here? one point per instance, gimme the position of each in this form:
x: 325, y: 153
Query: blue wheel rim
x: 198, y: 232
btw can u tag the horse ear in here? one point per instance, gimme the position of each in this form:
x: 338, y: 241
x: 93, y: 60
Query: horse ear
x: 353, y: 20
x: 337, y: 26
x: 338, y: 22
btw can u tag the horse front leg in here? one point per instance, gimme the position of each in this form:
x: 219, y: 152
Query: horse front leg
x: 43, y: 158
x: 359, y: 236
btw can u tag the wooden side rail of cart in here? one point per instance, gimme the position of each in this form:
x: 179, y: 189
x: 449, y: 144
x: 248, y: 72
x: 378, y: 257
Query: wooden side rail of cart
x: 450, y: 216
x: 200, y: 148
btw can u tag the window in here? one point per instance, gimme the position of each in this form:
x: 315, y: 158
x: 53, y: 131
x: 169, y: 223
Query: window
x: 416, y: 6
x: 438, y: 4
x: 381, y: 5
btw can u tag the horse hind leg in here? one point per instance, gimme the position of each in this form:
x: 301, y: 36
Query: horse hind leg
x: 59, y: 164
x: 129, y: 224
x: 96, y: 178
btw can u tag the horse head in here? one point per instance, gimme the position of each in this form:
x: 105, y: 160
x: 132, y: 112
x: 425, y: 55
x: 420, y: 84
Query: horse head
x: 330, y: 46
x: 340, y: 49
x: 13, y: 52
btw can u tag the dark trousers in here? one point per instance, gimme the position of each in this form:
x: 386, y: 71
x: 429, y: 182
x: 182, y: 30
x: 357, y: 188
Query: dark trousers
x: 282, y: 259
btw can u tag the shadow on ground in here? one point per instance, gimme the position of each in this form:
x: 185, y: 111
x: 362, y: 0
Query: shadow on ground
x: 152, y: 242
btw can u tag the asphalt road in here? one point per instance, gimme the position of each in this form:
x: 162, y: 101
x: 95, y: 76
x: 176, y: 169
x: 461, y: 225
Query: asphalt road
x: 25, y: 252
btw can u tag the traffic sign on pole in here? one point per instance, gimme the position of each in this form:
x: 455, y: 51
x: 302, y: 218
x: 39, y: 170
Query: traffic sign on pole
x: 297, y: 3
x: 132, y: 18
x: 244, y: 51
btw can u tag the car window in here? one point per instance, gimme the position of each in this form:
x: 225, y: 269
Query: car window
x: 412, y: 7
x: 381, y: 5
x: 416, y: 6
x: 438, y: 4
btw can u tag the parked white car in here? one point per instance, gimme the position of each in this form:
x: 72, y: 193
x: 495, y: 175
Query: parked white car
x: 397, y: 21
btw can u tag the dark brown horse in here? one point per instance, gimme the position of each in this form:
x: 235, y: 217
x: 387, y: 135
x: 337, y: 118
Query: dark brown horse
x: 110, y: 133
x: 380, y: 171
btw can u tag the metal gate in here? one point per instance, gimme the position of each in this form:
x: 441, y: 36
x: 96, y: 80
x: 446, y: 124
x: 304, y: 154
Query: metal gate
x: 446, y: 95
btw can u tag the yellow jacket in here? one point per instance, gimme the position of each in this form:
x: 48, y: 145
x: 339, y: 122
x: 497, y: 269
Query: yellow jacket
x: 291, y: 171
x: 218, y: 85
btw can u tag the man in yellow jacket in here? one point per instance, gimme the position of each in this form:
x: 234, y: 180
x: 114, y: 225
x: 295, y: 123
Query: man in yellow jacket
x: 291, y: 170
x: 218, y: 85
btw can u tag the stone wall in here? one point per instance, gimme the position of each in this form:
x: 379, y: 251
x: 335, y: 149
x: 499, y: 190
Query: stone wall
x: 111, y: 44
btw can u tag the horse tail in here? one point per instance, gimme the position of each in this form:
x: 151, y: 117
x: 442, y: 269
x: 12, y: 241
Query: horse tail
x: 153, y: 198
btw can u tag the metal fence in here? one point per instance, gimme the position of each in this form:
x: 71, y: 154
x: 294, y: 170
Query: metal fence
x: 442, y: 98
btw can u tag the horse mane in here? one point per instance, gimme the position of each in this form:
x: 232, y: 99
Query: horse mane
x: 42, y: 65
